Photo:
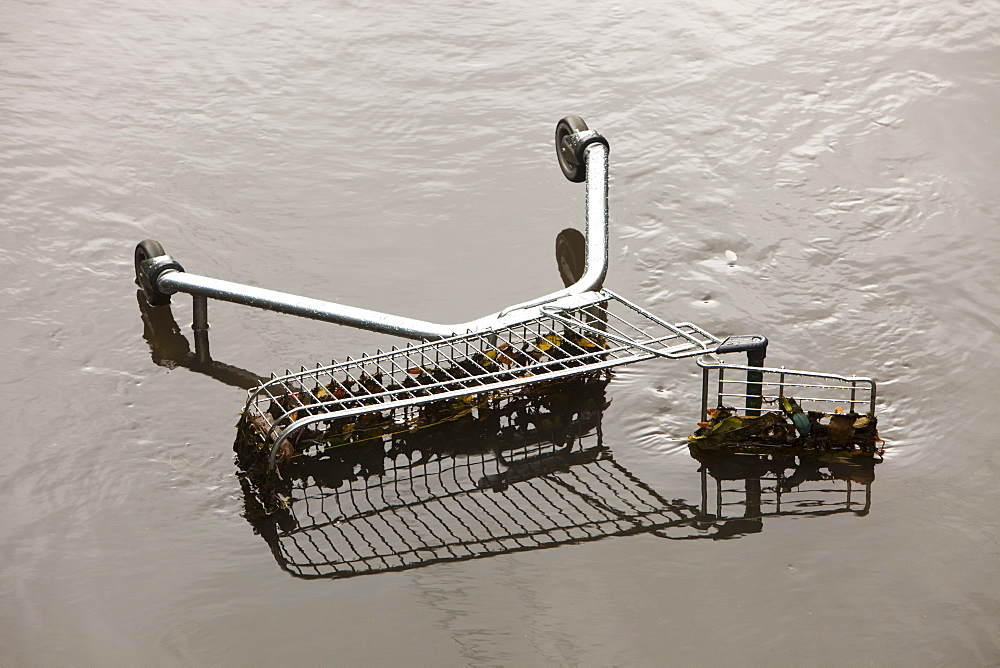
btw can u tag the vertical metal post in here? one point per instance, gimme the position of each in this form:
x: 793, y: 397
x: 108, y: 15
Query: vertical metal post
x: 755, y: 379
x: 777, y: 489
x: 718, y: 499
x: 704, y: 394
x: 722, y: 387
x: 752, y: 498
x: 200, y: 327
x: 704, y: 490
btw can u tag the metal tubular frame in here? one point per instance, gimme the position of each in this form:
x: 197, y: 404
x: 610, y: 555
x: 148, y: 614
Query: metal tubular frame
x: 619, y: 341
x: 580, y: 329
x: 596, y: 268
x: 834, y: 388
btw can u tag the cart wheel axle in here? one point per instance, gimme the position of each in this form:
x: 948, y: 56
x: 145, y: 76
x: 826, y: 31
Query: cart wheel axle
x: 572, y: 139
x: 151, y: 261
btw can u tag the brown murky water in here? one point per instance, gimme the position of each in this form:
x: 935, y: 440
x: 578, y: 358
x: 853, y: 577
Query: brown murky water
x: 400, y: 160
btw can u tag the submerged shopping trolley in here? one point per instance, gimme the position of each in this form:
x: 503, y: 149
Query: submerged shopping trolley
x: 582, y: 329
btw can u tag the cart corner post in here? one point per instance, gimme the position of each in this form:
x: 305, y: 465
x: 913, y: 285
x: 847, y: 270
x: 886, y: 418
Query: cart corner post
x: 755, y: 346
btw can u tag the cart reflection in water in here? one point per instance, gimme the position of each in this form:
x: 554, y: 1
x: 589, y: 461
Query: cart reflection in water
x: 504, y: 472
x: 806, y: 484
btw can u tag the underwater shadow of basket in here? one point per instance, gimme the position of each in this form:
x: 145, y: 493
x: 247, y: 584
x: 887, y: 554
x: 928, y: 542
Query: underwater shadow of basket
x: 507, y: 472
x: 514, y: 471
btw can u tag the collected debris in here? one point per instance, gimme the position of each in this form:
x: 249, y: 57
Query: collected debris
x: 790, y: 428
x: 555, y: 412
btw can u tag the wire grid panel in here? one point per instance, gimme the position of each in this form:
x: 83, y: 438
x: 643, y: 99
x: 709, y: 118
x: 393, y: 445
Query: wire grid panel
x: 819, y: 496
x: 733, y: 385
x: 600, y: 331
x: 740, y: 511
x: 429, y: 509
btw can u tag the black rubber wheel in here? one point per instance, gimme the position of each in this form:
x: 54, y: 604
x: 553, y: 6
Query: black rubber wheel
x: 569, y: 162
x: 571, y: 254
x: 145, y: 250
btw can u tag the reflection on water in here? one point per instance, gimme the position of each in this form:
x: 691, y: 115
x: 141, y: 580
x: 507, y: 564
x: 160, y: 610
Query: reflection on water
x: 843, y: 150
x: 532, y: 472
x: 498, y: 472
x: 807, y: 484
x: 170, y: 348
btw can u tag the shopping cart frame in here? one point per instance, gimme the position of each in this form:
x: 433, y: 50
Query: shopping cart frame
x: 582, y: 328
x: 583, y: 157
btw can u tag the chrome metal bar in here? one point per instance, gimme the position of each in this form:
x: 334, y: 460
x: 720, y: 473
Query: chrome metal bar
x: 665, y: 324
x: 282, y: 302
x: 301, y: 422
x: 200, y: 328
x: 773, y: 397
x: 722, y: 386
x: 704, y: 395
x: 852, y: 384
x: 682, y: 350
x: 595, y: 270
x: 792, y: 372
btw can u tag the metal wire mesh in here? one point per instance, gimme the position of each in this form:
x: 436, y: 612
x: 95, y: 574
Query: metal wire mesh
x: 771, y: 496
x: 599, y: 332
x: 753, y: 486
x: 490, y: 442
x: 745, y: 387
x: 535, y: 474
x: 532, y: 474
x: 441, y: 511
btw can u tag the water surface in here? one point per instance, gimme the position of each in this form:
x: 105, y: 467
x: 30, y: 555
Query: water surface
x: 401, y: 160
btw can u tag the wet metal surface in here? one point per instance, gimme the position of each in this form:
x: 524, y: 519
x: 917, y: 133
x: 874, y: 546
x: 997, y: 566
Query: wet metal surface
x: 824, y: 175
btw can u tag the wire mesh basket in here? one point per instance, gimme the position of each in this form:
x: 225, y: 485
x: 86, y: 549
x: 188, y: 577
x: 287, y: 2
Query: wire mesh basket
x: 598, y: 332
x: 526, y: 469
x: 729, y: 385
x: 758, y: 407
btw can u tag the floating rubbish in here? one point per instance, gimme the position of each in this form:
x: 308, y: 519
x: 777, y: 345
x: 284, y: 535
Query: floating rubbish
x: 794, y: 412
x: 788, y: 429
x: 557, y: 412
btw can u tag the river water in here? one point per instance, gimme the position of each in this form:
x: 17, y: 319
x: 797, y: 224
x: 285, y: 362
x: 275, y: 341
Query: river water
x: 400, y: 159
